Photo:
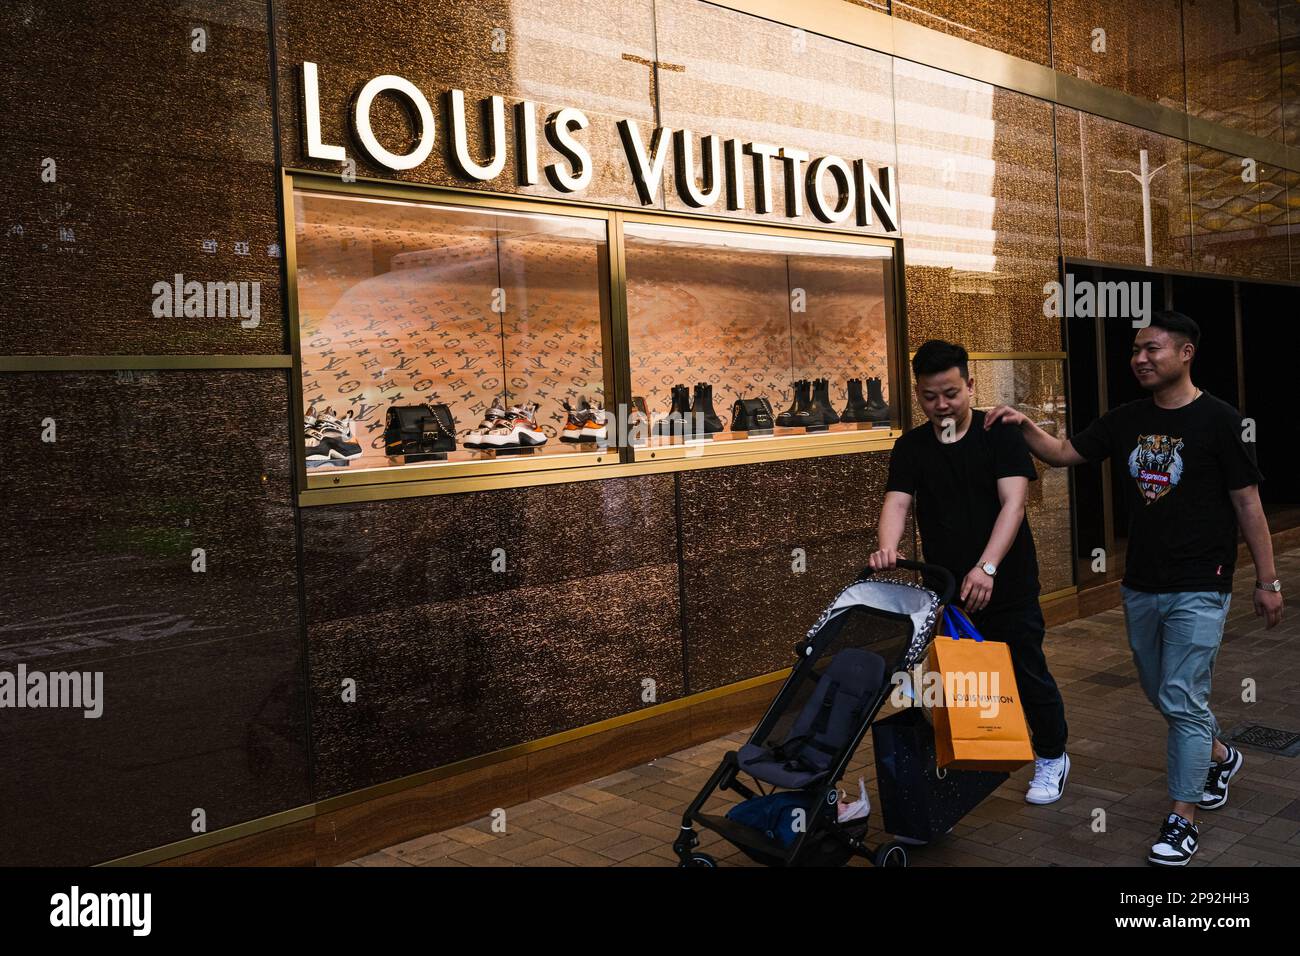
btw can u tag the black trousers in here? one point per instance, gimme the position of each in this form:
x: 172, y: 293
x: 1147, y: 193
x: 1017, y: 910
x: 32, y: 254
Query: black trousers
x: 1020, y: 626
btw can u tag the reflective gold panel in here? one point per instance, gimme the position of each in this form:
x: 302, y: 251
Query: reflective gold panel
x: 1233, y: 73
x: 151, y: 539
x: 555, y: 53
x: 1289, y: 17
x: 137, y: 253
x: 979, y: 213
x: 1123, y: 192
x: 151, y: 77
x: 1291, y: 220
x: 1130, y: 45
x: 1018, y: 27
x: 742, y: 78
x: 1239, y: 215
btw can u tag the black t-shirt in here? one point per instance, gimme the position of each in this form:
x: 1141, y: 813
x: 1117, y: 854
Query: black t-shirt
x: 955, y: 487
x: 1182, y: 462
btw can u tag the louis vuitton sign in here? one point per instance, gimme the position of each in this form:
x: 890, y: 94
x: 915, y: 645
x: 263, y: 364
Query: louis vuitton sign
x: 837, y: 191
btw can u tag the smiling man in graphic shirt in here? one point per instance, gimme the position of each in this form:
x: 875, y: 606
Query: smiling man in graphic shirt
x: 1192, y: 483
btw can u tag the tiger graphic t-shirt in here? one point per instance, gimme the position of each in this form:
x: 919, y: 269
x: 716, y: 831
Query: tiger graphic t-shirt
x: 1178, y: 465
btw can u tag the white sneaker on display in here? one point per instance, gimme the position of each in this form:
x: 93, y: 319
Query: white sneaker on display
x: 1049, y: 779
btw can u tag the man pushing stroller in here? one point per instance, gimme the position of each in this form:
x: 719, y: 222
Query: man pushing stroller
x: 970, y: 485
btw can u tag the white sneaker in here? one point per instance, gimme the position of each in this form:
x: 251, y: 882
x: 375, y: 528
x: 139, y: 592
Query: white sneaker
x: 1049, y: 779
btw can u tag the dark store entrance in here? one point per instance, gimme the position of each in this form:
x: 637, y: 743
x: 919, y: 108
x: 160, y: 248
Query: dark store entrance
x: 1240, y: 361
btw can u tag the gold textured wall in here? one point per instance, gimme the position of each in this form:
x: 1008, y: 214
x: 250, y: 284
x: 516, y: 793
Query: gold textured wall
x: 1099, y: 168
x: 1018, y: 27
x: 127, y: 157
x: 1232, y: 64
x: 1131, y: 45
x: 1239, y: 226
x: 1289, y: 37
x: 979, y: 211
x: 756, y: 81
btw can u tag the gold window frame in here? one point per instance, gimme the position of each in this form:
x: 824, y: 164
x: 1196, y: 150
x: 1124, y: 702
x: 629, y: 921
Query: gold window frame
x: 450, y: 478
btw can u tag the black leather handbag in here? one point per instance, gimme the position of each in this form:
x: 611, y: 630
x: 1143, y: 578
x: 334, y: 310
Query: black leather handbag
x: 420, y: 432
x: 752, y: 415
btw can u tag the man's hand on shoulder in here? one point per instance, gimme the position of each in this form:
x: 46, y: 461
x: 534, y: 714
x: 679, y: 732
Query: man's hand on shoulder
x: 1004, y: 413
x: 1055, y: 451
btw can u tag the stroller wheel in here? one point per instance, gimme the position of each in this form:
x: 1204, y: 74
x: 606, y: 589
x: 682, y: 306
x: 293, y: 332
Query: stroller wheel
x: 701, y: 859
x: 891, y: 854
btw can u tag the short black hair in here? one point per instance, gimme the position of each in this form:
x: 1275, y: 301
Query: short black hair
x: 1177, y: 324
x: 937, y: 356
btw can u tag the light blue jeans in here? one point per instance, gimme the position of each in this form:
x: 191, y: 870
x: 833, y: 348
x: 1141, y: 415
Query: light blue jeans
x: 1175, y: 638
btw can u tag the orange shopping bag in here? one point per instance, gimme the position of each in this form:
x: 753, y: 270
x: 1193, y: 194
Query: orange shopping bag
x: 979, y: 725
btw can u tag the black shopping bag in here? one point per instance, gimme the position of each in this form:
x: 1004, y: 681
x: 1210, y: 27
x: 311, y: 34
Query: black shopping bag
x: 915, y: 801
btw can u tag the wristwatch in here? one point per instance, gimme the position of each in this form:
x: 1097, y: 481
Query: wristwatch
x: 989, y: 568
x: 1275, y: 586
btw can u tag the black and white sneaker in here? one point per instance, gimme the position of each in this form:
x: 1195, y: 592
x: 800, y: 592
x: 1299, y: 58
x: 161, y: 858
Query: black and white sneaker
x: 1178, y: 841
x: 1216, y: 784
x: 1049, y: 779
x: 331, y: 439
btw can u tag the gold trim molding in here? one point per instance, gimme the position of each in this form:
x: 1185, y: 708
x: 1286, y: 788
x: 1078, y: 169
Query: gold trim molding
x: 1004, y: 356
x: 99, y: 363
x: 416, y: 488
x: 225, y: 835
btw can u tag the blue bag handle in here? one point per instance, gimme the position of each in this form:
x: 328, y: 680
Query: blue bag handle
x: 958, y: 625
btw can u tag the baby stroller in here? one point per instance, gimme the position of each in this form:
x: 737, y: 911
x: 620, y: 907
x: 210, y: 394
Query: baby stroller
x: 805, y: 741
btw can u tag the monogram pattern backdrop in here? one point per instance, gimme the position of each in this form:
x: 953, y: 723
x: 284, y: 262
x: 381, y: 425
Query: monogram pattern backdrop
x: 751, y: 323
x: 399, y: 305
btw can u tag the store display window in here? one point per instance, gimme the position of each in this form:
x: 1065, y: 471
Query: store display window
x: 739, y: 336
x: 445, y: 334
x: 448, y: 336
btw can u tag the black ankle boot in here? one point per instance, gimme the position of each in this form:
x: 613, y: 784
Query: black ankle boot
x: 816, y: 416
x: 677, y: 421
x: 876, y: 408
x: 798, y: 403
x: 822, y: 393
x: 855, y: 408
x: 702, y: 414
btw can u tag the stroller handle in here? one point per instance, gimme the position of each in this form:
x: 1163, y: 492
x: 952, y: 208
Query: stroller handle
x: 947, y: 586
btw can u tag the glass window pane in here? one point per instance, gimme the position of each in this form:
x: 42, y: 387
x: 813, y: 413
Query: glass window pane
x: 752, y: 316
x: 410, y: 303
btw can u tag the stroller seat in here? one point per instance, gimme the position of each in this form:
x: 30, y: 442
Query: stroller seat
x: 828, y: 722
x: 804, y: 743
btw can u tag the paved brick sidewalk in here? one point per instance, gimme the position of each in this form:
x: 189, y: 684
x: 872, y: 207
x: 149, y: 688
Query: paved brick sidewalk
x: 1117, y: 747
